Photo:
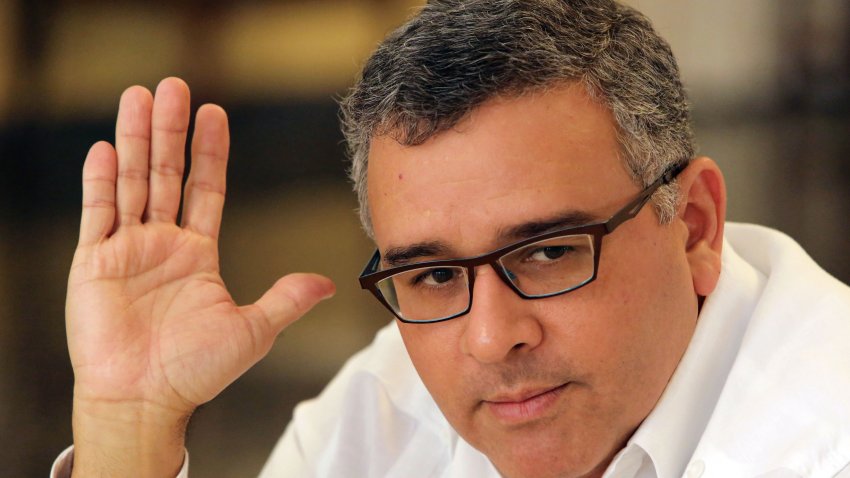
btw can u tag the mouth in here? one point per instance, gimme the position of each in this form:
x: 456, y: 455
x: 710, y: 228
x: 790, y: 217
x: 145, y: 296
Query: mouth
x: 524, y: 406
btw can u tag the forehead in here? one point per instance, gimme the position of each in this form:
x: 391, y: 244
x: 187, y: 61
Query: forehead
x: 510, y: 161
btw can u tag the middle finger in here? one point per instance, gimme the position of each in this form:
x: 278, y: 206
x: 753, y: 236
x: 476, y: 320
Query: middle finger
x: 168, y: 144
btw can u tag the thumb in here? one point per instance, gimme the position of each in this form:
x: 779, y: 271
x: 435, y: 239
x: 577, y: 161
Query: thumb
x: 289, y: 298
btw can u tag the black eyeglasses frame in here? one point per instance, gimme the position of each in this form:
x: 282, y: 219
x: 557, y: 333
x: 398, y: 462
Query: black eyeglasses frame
x: 370, y: 276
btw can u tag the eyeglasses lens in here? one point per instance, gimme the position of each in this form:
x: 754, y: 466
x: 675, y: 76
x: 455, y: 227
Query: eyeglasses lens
x: 544, y: 268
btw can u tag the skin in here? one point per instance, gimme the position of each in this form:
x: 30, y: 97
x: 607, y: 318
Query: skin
x: 152, y: 330
x: 615, y: 343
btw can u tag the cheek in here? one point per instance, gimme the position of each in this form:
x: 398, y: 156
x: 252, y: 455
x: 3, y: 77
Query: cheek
x: 630, y: 327
x: 433, y: 350
x: 644, y: 280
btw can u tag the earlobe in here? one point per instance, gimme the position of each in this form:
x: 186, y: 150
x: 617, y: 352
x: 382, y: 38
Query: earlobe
x: 703, y: 211
x: 705, y: 268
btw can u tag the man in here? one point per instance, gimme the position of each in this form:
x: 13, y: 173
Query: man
x: 569, y: 301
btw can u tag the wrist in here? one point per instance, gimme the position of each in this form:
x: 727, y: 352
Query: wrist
x: 127, y: 438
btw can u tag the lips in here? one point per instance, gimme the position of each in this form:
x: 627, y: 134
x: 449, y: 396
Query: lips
x: 525, y: 405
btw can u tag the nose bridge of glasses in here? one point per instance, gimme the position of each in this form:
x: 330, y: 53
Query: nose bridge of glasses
x: 504, y: 274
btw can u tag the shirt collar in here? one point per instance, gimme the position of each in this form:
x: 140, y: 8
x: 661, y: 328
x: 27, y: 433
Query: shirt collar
x: 669, y: 435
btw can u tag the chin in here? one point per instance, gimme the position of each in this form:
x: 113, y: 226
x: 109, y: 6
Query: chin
x: 538, y: 470
x: 540, y: 461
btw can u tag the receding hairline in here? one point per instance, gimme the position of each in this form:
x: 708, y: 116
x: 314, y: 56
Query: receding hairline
x: 385, y: 129
x: 417, y: 84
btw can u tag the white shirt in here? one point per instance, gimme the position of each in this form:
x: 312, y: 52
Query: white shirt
x: 763, y: 390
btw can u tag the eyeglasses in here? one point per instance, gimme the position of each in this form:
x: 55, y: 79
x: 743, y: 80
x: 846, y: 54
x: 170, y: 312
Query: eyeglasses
x: 542, y: 266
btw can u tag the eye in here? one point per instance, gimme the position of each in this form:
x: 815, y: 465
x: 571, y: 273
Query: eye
x: 434, y: 277
x: 441, y: 276
x: 550, y: 253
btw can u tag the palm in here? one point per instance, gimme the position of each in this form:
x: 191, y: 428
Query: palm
x: 167, y: 288
x: 149, y: 318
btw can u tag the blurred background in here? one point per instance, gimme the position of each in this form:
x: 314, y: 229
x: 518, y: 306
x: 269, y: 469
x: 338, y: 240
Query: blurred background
x: 769, y: 80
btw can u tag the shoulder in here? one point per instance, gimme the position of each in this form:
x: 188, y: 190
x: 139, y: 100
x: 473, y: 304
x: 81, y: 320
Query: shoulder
x: 784, y: 404
x: 802, y: 315
x: 785, y: 263
x: 370, y: 420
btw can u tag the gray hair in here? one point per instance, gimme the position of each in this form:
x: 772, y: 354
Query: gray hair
x: 453, y: 55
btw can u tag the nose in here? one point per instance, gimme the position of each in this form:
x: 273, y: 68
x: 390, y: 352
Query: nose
x: 500, y: 323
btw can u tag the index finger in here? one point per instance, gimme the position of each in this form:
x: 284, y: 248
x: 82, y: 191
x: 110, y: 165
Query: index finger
x: 203, y: 200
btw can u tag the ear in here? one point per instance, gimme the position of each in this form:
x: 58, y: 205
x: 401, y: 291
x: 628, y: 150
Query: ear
x: 702, y: 209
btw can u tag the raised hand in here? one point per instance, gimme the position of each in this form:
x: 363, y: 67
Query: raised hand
x: 152, y: 329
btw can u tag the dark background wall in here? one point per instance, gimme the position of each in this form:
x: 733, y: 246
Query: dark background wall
x: 768, y: 78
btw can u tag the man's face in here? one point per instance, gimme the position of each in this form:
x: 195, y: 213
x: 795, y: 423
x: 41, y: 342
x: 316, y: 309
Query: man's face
x: 547, y: 387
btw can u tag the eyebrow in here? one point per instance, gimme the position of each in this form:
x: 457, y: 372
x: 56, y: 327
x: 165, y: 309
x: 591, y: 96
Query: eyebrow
x: 401, y: 255
x: 397, y: 256
x: 563, y: 220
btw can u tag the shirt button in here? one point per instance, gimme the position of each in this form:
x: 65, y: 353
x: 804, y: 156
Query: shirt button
x: 695, y: 469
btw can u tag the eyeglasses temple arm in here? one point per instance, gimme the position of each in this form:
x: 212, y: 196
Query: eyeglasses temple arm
x: 631, y: 209
x: 371, y: 266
